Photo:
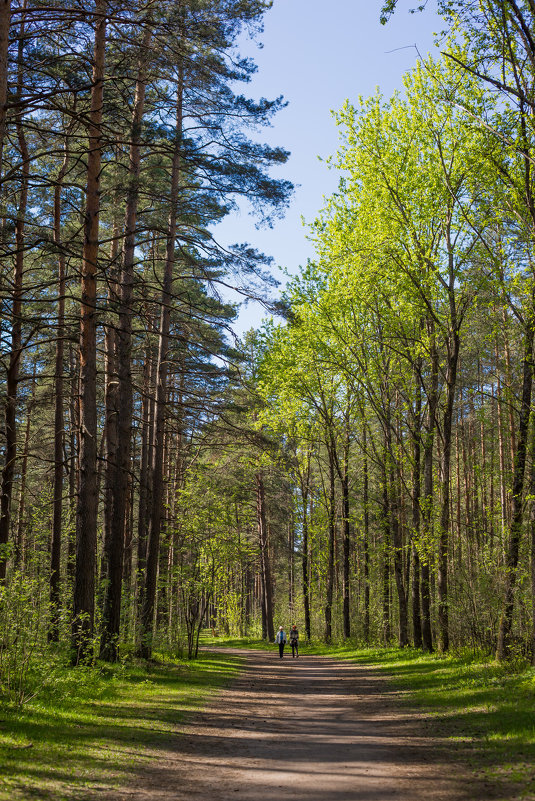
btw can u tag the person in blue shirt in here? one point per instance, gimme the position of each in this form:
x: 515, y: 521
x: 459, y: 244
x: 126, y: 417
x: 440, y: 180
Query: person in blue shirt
x: 281, y: 640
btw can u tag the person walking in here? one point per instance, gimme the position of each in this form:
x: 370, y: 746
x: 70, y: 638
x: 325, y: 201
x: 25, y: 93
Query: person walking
x: 294, y: 641
x: 281, y: 640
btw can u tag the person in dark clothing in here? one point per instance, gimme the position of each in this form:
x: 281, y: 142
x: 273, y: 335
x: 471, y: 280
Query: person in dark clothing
x: 281, y: 640
x: 294, y: 641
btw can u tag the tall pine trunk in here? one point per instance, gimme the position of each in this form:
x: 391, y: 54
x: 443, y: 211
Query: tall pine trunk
x: 153, y: 544
x: 59, y: 467
x: 123, y: 417
x: 5, y: 23
x: 87, y: 506
x: 15, y: 350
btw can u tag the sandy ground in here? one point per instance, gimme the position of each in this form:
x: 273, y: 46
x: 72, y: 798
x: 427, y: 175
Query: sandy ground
x: 307, y: 729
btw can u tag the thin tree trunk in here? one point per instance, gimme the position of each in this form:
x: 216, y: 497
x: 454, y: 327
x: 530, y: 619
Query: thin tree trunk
x: 416, y: 494
x: 20, y: 549
x: 147, y: 426
x: 74, y: 424
x: 59, y: 425
x: 515, y: 533
x: 112, y: 402
x: 501, y: 450
x: 366, y: 544
x: 12, y: 377
x: 153, y: 544
x: 347, y: 538
x: 265, y: 562
x: 443, y: 546
x: 5, y: 23
x: 305, y: 486
x: 427, y: 513
x: 386, y: 553
x: 332, y: 536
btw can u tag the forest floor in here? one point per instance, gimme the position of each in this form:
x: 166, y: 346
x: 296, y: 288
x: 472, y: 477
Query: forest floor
x: 88, y: 730
x: 337, y: 724
x: 314, y: 728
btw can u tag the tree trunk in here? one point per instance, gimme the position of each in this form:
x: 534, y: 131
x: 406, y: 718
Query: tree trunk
x: 305, y: 484
x: 347, y: 539
x: 15, y: 353
x: 265, y: 562
x: 386, y: 555
x: 443, y: 546
x: 332, y: 536
x: 87, y: 507
x: 366, y: 545
x: 427, y: 512
x: 112, y: 403
x: 57, y: 492
x: 395, y: 527
x: 147, y: 427
x: 20, y: 544
x: 416, y: 493
x: 5, y: 23
x: 153, y: 544
x: 515, y: 533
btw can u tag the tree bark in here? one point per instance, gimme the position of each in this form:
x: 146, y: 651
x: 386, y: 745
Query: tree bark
x: 5, y: 24
x: 20, y: 540
x: 57, y: 491
x: 366, y: 544
x: 153, y: 544
x: 87, y: 506
x: 331, y: 544
x: 443, y: 547
x: 15, y: 352
x: 515, y: 532
x: 427, y: 511
x: 386, y: 554
x: 265, y: 562
x: 304, y: 477
x: 346, y: 535
x: 416, y: 494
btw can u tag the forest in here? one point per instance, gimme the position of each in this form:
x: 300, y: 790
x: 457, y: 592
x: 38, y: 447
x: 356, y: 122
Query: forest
x: 363, y: 462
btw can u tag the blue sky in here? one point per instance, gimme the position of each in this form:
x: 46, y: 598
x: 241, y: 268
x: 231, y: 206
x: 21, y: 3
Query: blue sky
x: 317, y: 54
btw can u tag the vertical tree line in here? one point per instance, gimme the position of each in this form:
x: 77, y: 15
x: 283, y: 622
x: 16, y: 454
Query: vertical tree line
x: 122, y: 143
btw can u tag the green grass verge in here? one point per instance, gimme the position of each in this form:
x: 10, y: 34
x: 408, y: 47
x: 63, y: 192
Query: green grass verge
x: 89, y: 728
x: 485, y: 711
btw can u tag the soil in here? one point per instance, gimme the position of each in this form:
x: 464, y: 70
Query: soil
x: 307, y: 729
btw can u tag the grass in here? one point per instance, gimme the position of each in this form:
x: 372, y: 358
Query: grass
x: 484, y: 710
x: 89, y: 729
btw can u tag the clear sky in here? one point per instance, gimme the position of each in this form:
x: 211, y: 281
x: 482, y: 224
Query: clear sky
x: 317, y: 54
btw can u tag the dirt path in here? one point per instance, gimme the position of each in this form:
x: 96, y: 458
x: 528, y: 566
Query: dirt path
x: 309, y: 729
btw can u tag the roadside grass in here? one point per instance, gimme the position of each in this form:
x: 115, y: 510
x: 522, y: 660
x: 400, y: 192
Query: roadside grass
x: 482, y: 711
x: 91, y: 728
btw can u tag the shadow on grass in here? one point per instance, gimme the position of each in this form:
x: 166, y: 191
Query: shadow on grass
x: 484, y: 711
x: 89, y: 728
